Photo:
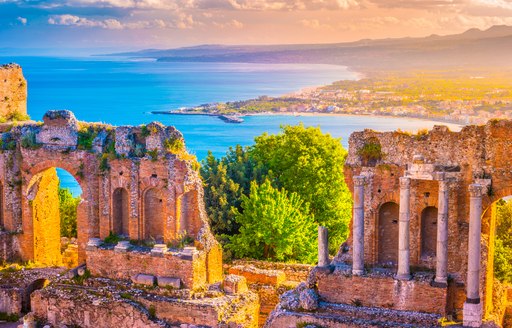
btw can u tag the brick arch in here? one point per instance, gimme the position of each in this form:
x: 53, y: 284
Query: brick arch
x: 34, y: 230
x: 428, y: 231
x: 120, y: 211
x: 153, y: 219
x: 387, y: 233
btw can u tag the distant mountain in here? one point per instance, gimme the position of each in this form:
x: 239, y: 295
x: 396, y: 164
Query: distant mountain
x: 473, y: 48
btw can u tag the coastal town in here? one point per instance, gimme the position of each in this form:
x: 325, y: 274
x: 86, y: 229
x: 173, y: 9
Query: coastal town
x: 463, y: 100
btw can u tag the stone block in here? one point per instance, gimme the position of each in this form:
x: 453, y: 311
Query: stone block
x: 159, y: 250
x: 169, y: 282
x: 259, y: 276
x: 123, y: 246
x: 144, y: 279
x: 472, y: 315
x: 234, y: 284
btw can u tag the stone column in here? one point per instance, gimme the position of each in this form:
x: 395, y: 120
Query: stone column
x: 441, y: 279
x: 404, y: 272
x: 323, y: 247
x: 358, y: 227
x: 472, y: 313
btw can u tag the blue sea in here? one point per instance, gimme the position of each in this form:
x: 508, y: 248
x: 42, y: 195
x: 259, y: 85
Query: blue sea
x: 121, y: 91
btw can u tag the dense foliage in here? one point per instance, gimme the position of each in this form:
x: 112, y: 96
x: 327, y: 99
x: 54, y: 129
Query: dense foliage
x: 503, y: 242
x: 273, y: 225
x: 68, y: 206
x: 299, y: 161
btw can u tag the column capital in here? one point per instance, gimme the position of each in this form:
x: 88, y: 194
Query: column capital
x: 475, y: 190
x: 405, y: 183
x: 444, y: 185
x: 359, y: 180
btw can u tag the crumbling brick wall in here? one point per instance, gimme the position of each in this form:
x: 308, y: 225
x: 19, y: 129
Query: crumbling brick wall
x: 13, y: 90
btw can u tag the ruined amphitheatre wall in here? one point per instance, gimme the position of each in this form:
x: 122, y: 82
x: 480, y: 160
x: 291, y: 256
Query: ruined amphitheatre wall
x: 13, y: 90
x: 134, y: 183
x: 476, y: 154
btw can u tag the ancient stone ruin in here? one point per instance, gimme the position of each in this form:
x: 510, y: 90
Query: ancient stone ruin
x: 13, y: 91
x: 422, y: 233
x: 139, y: 184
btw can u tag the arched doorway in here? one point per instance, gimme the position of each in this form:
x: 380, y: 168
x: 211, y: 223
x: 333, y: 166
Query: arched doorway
x: 53, y: 213
x: 428, y: 232
x: 388, y: 234
x: 121, y: 212
x: 153, y: 216
x: 190, y: 222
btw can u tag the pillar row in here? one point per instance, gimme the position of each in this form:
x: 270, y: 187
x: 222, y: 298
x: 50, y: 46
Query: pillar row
x: 441, y: 279
x: 404, y: 272
x: 358, y: 226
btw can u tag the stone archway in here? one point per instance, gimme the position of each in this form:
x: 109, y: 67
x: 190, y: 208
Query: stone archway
x: 388, y: 233
x: 120, y: 212
x: 428, y: 232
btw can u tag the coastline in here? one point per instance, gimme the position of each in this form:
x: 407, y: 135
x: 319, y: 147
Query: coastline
x: 444, y: 122
x: 451, y: 125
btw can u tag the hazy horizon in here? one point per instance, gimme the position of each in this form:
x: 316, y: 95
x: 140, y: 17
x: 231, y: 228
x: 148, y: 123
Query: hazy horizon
x: 127, y: 25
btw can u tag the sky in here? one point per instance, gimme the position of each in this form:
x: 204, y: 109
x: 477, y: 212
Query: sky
x: 138, y: 24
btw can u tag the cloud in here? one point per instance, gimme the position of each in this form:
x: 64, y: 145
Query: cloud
x: 293, y: 5
x: 22, y: 20
x: 314, y: 24
x: 110, y: 24
x: 232, y: 24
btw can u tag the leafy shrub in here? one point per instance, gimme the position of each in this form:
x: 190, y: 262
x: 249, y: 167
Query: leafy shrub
x: 371, y: 152
x: 273, y: 226
x: 68, y: 206
x: 86, y: 137
x: 28, y: 140
x: 174, y: 145
x: 112, y: 238
x: 153, y: 154
x: 503, y: 242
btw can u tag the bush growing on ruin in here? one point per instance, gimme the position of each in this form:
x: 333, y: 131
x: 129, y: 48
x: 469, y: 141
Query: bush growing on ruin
x: 274, y: 225
x: 68, y: 206
x: 503, y: 242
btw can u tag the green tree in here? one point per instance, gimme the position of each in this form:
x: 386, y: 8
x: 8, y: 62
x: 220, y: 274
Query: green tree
x: 310, y: 163
x: 503, y: 242
x: 68, y: 206
x: 273, y: 226
x: 226, y: 180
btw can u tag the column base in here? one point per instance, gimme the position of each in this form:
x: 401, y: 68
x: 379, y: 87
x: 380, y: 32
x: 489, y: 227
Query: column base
x: 403, y: 276
x: 357, y: 272
x: 472, y: 315
x: 441, y: 283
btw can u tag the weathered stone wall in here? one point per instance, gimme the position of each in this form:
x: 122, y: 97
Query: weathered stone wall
x: 380, y: 290
x: 13, y: 90
x: 475, y: 154
x: 104, y: 159
x: 82, y: 310
x: 116, y: 265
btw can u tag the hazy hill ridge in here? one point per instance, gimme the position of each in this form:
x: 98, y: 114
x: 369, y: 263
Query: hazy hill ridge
x: 473, y: 48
